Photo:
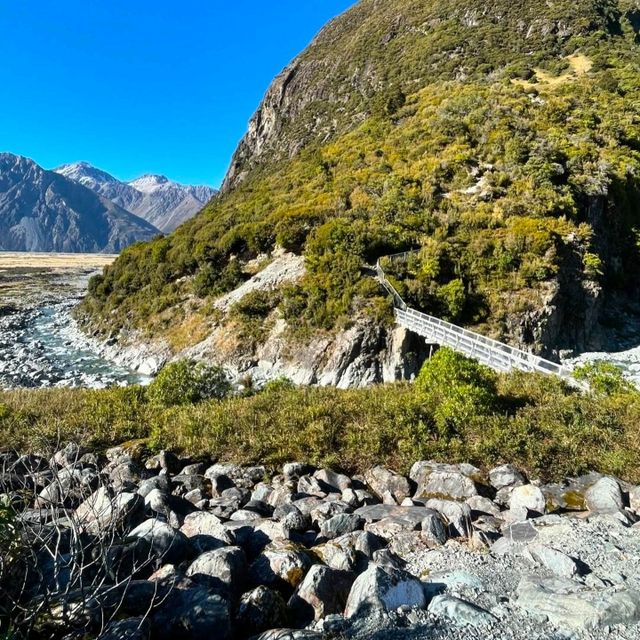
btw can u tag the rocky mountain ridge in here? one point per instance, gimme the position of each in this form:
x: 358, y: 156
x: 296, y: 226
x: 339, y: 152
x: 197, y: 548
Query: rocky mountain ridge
x: 42, y: 210
x: 154, y: 198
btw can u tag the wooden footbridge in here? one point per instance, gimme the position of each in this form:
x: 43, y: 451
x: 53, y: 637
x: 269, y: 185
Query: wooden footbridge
x: 495, y: 354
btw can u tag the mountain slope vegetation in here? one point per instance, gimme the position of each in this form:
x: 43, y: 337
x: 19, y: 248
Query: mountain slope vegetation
x: 500, y: 139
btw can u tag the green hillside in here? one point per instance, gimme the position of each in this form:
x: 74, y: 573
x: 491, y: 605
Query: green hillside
x: 500, y: 138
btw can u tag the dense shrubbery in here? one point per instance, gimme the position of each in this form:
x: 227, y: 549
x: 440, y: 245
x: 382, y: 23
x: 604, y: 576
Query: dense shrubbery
x: 457, y: 411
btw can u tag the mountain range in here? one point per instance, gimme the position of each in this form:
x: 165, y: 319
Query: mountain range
x: 42, y: 210
x: 156, y: 199
x: 79, y: 208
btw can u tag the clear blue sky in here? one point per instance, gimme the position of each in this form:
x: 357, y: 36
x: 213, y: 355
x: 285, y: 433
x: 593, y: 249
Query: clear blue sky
x: 141, y: 86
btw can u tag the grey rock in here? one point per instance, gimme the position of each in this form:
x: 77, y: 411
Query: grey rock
x: 456, y: 514
x: 385, y: 589
x: 434, y: 529
x: 100, y: 510
x: 290, y: 634
x: 166, y: 543
x: 460, y: 612
x: 205, y: 530
x: 528, y: 497
x: 224, y: 569
x: 281, y: 565
x: 605, y: 496
x: 338, y: 482
x: 570, y: 604
x: 323, y: 591
x: 259, y: 610
x: 506, y: 476
x: 390, y: 487
x: 129, y: 629
x: 192, y: 614
x: 557, y: 562
x: 340, y: 524
x: 449, y: 482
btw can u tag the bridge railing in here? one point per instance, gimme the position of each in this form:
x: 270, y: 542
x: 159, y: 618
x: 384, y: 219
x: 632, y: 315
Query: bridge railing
x: 493, y: 353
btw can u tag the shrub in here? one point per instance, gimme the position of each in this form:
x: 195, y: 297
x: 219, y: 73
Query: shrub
x: 455, y: 390
x: 187, y: 382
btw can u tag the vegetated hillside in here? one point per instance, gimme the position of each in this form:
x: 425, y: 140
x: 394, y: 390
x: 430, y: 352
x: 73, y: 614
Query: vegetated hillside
x: 502, y: 139
x: 43, y: 211
x: 156, y: 199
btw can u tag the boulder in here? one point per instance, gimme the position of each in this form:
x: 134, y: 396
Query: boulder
x: 192, y: 614
x: 323, y: 591
x: 506, y: 476
x: 281, y: 565
x: 449, y: 482
x: 390, y: 487
x: 605, y: 496
x: 557, y: 562
x: 385, y: 589
x: 205, y: 531
x: 572, y: 605
x: 101, y: 510
x: 337, y: 482
x: 456, y: 514
x: 527, y: 498
x: 223, y: 569
x: 259, y: 610
x: 460, y: 612
x: 340, y: 524
x: 127, y: 629
x: 290, y: 634
x: 434, y: 529
x: 166, y: 543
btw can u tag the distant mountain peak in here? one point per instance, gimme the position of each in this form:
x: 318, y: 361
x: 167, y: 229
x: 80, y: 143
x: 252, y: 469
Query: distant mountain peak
x: 162, y: 202
x: 149, y: 182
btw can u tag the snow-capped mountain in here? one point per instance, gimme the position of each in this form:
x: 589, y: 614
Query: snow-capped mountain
x: 160, y: 201
x: 42, y: 210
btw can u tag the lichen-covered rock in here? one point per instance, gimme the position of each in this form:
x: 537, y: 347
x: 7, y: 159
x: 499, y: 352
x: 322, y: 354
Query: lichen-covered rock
x: 281, y: 565
x: 460, y: 612
x: 527, y: 498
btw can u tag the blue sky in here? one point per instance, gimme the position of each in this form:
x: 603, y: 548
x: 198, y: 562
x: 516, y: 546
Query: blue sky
x: 135, y: 86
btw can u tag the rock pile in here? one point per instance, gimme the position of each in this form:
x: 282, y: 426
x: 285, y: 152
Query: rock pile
x: 162, y: 547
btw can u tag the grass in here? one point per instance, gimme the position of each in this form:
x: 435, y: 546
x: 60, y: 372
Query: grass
x: 534, y: 421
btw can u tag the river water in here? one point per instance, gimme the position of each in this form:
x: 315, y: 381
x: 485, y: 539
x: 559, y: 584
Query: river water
x: 40, y: 342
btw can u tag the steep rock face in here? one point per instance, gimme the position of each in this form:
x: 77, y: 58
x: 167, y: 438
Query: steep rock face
x: 360, y: 59
x: 156, y: 199
x: 44, y: 211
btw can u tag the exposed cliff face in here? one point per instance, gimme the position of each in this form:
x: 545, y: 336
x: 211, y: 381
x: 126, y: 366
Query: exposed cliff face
x: 361, y: 59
